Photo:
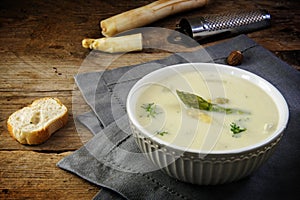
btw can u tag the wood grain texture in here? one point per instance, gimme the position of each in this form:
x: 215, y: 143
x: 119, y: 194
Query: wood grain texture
x: 32, y: 175
x: 40, y: 51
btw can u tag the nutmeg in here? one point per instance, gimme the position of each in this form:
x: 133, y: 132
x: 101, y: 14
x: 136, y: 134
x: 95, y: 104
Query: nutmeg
x: 235, y: 58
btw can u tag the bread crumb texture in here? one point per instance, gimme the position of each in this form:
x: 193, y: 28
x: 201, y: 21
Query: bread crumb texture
x: 35, y: 123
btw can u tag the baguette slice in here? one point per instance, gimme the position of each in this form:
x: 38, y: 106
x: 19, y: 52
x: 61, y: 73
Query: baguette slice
x: 35, y: 123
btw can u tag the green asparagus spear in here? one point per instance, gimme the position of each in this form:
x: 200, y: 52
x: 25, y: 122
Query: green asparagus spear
x: 197, y: 102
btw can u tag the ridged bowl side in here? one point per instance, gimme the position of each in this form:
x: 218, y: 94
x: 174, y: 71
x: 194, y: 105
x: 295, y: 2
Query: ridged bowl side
x: 211, y: 169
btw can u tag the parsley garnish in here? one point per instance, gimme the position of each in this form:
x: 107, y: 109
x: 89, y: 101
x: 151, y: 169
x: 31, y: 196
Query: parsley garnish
x: 235, y: 129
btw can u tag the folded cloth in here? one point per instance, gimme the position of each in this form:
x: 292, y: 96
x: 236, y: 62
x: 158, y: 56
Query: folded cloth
x: 112, y: 160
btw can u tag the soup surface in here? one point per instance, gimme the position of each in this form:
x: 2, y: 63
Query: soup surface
x: 161, y: 111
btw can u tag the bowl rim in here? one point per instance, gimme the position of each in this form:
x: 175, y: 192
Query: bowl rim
x: 283, y: 109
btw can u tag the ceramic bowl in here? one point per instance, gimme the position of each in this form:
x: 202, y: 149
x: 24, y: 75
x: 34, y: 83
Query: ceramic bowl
x: 196, y: 166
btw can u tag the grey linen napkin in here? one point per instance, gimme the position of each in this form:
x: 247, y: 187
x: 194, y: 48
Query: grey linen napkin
x: 108, y: 159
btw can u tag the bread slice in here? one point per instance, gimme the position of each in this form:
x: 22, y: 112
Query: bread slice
x: 35, y: 123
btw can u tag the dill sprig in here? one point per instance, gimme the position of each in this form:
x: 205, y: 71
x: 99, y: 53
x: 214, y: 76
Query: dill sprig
x: 161, y: 133
x: 150, y: 109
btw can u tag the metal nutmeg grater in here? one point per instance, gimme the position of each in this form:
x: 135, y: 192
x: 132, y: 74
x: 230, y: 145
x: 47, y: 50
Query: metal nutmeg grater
x: 213, y: 27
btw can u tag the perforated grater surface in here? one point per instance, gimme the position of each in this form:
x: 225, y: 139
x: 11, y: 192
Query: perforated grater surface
x: 213, y: 27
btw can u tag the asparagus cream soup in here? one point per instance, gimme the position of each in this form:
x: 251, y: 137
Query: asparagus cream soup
x: 206, y: 111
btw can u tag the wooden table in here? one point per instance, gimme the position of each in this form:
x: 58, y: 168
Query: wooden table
x: 41, y: 51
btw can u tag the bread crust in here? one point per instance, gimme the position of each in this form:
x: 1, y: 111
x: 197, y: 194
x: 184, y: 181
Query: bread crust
x: 40, y: 136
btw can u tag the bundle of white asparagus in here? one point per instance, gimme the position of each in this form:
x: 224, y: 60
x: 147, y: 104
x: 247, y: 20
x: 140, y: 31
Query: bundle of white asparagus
x: 136, y: 18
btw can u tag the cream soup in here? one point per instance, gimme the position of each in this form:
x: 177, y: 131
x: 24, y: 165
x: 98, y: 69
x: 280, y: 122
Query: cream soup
x: 161, y: 112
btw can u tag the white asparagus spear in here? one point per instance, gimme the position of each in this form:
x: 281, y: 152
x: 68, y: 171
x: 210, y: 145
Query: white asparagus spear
x: 87, y: 42
x: 146, y: 14
x: 119, y: 44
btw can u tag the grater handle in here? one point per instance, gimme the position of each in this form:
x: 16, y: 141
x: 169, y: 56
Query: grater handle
x: 224, y: 25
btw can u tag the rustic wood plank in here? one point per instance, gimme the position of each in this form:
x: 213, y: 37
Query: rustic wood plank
x: 20, y: 86
x: 36, y: 28
x: 40, y: 73
x: 33, y: 175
